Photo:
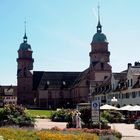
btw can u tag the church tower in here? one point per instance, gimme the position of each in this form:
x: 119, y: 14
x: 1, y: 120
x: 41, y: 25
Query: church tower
x: 100, y: 68
x: 24, y: 73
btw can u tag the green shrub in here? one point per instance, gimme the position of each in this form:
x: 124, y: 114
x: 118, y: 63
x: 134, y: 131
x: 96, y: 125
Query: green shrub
x: 137, y: 124
x: 112, y: 116
x: 62, y: 115
x: 15, y: 115
x: 85, y: 115
x: 86, y: 120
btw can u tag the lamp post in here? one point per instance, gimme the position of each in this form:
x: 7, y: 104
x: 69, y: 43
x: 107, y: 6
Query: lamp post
x: 114, y: 101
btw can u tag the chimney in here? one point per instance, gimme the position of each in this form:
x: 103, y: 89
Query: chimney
x: 137, y: 63
x: 129, y: 65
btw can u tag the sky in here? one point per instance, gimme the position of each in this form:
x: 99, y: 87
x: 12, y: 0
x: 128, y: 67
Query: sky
x: 60, y: 33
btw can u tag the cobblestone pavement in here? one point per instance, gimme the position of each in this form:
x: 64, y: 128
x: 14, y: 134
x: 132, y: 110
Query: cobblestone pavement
x: 131, y: 138
x: 127, y: 130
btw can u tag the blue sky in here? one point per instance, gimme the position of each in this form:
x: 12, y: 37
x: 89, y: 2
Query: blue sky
x: 60, y: 33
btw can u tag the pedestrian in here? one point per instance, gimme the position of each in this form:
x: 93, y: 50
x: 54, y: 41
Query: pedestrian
x: 78, y: 120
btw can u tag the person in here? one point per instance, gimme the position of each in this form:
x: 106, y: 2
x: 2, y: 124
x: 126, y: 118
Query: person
x: 73, y: 120
x: 78, y: 120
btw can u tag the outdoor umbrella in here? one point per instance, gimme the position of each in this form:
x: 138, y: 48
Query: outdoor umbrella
x: 135, y: 108
x: 108, y: 107
x: 126, y: 108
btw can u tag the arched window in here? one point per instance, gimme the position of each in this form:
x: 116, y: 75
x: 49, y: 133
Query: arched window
x: 102, y: 66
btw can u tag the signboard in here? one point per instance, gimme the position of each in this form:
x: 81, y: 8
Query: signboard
x: 95, y: 114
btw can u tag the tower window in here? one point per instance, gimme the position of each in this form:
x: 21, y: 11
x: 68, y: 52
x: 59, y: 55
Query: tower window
x: 24, y: 88
x: 102, y: 66
x: 24, y: 72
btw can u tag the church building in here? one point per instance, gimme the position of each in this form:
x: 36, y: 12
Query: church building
x: 48, y: 89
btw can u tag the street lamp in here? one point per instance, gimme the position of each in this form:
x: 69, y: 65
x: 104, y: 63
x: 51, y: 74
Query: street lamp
x: 114, y: 101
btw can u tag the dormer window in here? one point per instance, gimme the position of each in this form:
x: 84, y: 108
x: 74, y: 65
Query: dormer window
x: 139, y: 81
x: 113, y: 86
x: 119, y: 85
x: 128, y: 83
x: 48, y: 82
x: 64, y: 83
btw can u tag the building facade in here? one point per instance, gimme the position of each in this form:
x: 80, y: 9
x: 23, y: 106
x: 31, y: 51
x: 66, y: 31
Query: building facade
x: 62, y: 89
x: 48, y: 89
x: 123, y: 86
x: 8, y: 95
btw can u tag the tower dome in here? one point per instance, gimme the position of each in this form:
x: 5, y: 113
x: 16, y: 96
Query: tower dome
x: 25, y: 46
x: 99, y: 36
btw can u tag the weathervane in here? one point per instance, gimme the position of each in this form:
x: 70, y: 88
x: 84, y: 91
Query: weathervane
x: 98, y: 11
x: 25, y: 37
x: 25, y: 26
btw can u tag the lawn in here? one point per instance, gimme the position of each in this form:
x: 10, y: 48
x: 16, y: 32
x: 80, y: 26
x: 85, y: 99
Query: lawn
x: 41, y: 113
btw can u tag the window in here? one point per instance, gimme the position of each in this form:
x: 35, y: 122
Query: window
x: 130, y: 94
x: 139, y: 93
x: 127, y: 95
x: 128, y: 83
x: 136, y: 94
x: 103, y: 88
x: 131, y: 82
x: 24, y: 88
x: 119, y: 95
x: 102, y: 66
x: 139, y: 81
x: 133, y: 94
x: 49, y: 94
x: 123, y: 95
x: 95, y: 89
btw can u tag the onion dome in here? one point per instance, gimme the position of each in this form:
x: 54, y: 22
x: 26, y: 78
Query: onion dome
x: 99, y: 36
x: 25, y: 46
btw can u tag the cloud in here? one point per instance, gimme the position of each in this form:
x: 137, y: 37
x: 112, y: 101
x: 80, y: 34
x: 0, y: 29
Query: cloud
x: 95, y: 13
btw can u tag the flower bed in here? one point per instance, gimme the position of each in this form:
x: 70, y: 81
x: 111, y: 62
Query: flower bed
x: 26, y: 134
x: 69, y: 136
x: 57, y: 134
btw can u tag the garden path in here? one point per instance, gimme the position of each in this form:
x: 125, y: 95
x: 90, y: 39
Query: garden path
x: 47, y: 124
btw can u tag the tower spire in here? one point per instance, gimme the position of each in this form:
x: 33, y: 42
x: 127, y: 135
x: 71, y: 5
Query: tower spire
x: 99, y: 26
x: 25, y: 37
